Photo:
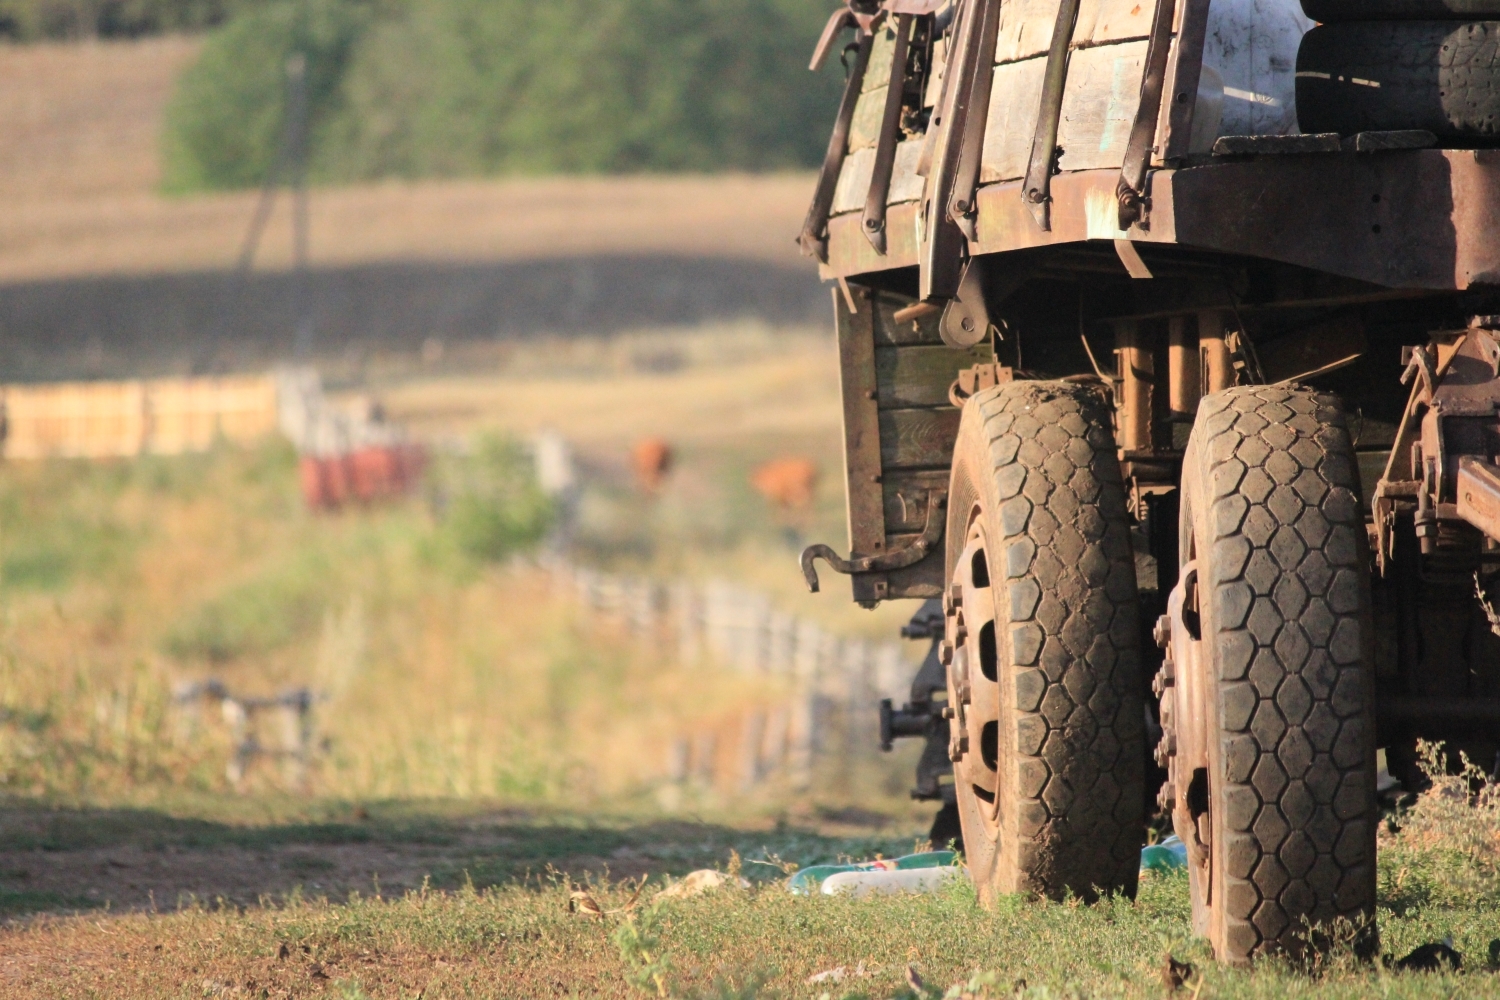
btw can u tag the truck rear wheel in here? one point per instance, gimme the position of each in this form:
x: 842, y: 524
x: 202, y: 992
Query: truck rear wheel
x: 1267, y: 693
x: 1042, y: 646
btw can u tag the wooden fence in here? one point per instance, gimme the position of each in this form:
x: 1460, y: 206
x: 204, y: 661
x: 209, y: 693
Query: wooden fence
x: 136, y: 417
x: 827, y: 717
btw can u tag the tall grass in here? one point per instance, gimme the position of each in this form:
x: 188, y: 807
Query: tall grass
x: 443, y: 672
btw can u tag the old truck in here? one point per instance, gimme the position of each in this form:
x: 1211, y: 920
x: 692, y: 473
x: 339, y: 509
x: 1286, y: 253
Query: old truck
x: 1170, y: 347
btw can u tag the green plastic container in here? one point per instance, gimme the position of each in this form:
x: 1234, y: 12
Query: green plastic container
x: 806, y: 881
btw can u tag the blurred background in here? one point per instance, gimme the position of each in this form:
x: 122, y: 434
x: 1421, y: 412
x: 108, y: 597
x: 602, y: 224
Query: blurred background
x: 424, y: 400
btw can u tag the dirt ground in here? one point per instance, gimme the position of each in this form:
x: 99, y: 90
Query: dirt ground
x: 133, y: 861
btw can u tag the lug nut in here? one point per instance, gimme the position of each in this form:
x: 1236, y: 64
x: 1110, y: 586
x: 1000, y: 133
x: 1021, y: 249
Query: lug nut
x: 1163, y: 631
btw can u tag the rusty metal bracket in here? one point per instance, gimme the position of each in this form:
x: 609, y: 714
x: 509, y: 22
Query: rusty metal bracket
x: 963, y: 208
x: 1131, y: 189
x: 837, y: 21
x: 932, y: 533
x: 885, y: 150
x: 1479, y: 494
x: 1187, y: 72
x: 977, y: 379
x: 814, y: 237
x: 1419, y: 362
x: 966, y: 317
x: 1036, y: 191
x: 940, y: 249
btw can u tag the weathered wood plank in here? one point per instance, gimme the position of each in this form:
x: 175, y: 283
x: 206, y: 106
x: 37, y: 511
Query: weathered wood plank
x: 862, y: 459
x: 1098, y: 109
x: 854, y: 178
x: 917, y: 438
x: 854, y: 181
x: 906, y: 498
x: 1015, y: 95
x: 920, y: 376
x: 869, y: 111
x: 1026, y: 25
x: 878, y: 72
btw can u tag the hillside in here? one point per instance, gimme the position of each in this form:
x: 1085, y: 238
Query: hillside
x: 80, y: 125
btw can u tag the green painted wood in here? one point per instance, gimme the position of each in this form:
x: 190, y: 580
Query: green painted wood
x: 921, y: 375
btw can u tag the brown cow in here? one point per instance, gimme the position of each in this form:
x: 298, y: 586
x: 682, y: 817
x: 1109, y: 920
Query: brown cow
x: 652, y: 458
x: 786, y: 482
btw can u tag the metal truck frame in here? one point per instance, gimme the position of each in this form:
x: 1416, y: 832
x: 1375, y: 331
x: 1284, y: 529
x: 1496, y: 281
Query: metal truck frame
x: 1125, y: 399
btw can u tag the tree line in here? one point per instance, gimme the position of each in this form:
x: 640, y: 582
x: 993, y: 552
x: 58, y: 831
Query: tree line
x: 422, y: 88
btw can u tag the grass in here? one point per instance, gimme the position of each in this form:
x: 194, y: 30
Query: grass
x: 518, y: 938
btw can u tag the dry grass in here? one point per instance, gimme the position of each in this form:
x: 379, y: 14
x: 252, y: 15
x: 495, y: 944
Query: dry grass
x: 79, y: 130
x: 446, y: 680
x: 82, y: 120
x: 732, y: 397
x: 719, y: 385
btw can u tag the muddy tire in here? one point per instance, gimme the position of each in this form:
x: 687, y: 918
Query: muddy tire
x: 1441, y: 76
x: 1042, y: 646
x: 1268, y: 694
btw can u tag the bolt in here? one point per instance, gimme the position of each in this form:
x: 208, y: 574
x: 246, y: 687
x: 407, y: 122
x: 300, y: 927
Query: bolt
x: 945, y: 652
x: 1163, y: 631
x: 1163, y: 679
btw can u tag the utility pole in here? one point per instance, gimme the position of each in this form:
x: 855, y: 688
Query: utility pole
x: 296, y: 136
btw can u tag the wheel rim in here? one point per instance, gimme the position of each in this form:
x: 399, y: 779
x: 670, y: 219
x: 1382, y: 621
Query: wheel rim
x: 974, y: 676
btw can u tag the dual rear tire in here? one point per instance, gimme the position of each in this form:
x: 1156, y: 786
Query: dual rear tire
x: 1043, y: 659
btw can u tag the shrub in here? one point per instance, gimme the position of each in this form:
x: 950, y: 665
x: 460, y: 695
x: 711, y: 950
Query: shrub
x: 491, y: 504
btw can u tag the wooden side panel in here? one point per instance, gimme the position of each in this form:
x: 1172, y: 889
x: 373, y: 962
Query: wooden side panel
x: 865, y: 129
x: 920, y: 376
x: 889, y: 333
x: 899, y: 430
x: 862, y: 452
x: 854, y: 178
x: 918, y: 439
x: 1015, y: 96
x: 1026, y: 25
x: 1104, y: 87
x: 1098, y: 109
x: 906, y: 499
x: 854, y: 181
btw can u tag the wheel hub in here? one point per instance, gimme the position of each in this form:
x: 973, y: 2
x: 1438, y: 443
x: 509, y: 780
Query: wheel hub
x: 1183, y: 749
x: 970, y: 653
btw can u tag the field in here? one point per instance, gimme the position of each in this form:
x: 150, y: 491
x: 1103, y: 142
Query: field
x: 79, y: 134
